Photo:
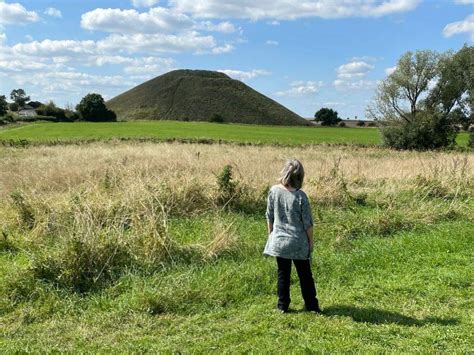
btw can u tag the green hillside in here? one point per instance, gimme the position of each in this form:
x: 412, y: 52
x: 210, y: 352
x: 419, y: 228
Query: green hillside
x: 197, y: 95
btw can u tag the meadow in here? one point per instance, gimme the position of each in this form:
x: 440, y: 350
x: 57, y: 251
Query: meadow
x: 126, y: 246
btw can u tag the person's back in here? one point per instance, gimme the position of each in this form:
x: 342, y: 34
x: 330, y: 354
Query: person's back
x: 291, y: 217
x: 290, y: 239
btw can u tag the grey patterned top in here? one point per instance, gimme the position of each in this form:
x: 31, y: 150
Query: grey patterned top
x: 290, y: 214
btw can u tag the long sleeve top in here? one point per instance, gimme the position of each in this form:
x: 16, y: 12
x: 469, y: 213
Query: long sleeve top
x: 290, y: 214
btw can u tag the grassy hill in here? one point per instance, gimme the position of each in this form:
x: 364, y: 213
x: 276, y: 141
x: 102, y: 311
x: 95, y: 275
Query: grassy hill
x: 197, y: 95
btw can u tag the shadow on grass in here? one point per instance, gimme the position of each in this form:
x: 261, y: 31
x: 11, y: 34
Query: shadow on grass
x: 379, y: 316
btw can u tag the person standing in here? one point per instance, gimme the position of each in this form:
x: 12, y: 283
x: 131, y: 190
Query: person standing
x: 290, y: 239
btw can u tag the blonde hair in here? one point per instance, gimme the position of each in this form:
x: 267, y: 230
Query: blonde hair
x: 292, y: 174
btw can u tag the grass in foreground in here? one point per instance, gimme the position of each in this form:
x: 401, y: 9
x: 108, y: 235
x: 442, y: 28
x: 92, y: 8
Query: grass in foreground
x: 393, y: 261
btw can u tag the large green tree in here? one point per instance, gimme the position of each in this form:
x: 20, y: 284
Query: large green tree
x: 406, y: 107
x: 92, y: 108
x: 19, y: 97
x: 327, y: 117
x: 453, y: 94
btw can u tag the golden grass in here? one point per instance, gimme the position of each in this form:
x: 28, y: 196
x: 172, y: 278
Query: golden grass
x: 59, y: 169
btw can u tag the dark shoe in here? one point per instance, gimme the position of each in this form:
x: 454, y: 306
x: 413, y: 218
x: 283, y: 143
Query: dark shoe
x: 314, y: 309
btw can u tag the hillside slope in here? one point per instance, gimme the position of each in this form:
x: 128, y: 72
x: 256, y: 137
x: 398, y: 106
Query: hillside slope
x: 196, y: 95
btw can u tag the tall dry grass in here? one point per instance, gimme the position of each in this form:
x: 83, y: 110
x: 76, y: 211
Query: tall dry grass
x: 86, y: 213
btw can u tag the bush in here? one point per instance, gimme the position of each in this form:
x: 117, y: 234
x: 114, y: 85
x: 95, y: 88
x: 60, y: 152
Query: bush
x: 51, y: 110
x: 217, y: 118
x: 470, y: 143
x: 361, y: 123
x: 3, y: 105
x: 226, y: 185
x: 13, y: 107
x: 92, y: 108
x: 428, y: 131
x: 342, y: 124
x: 371, y: 124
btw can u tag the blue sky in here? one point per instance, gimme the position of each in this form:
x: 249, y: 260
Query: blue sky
x: 305, y: 54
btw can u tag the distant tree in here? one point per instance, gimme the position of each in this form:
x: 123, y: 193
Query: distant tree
x: 92, y: 108
x: 50, y: 109
x: 3, y: 105
x: 342, y: 124
x: 360, y: 123
x: 13, y: 106
x: 217, y: 118
x: 19, y: 97
x: 34, y: 104
x: 327, y: 117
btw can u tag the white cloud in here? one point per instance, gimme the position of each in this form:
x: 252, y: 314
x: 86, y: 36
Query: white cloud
x: 292, y: 9
x: 16, y: 14
x: 350, y: 76
x: 301, y: 88
x: 354, y: 69
x: 152, y: 66
x: 390, y: 70
x: 54, y: 48
x: 156, y: 20
x: 358, y: 85
x: 465, y: 26
x: 226, y: 48
x: 51, y: 11
x: 144, y: 3
x: 244, y: 75
x: 3, y: 38
x: 225, y: 27
x: 464, y: 2
x: 151, y: 43
x: 273, y: 23
x: 272, y: 43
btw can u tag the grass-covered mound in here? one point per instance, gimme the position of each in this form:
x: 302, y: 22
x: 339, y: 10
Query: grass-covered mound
x: 199, y: 95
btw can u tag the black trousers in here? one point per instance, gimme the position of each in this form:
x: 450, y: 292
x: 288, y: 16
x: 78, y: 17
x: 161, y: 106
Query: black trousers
x: 308, y: 288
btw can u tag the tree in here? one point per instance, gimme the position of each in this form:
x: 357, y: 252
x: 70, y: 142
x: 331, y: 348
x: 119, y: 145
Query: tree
x: 327, y: 117
x: 400, y: 105
x: 3, y: 105
x: 92, y: 108
x: 398, y: 96
x: 453, y: 94
x: 19, y: 97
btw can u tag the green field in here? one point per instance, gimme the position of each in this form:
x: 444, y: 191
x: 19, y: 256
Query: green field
x: 130, y: 248
x: 166, y: 130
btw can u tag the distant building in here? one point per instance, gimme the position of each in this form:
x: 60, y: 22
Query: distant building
x: 27, y: 111
x: 348, y: 122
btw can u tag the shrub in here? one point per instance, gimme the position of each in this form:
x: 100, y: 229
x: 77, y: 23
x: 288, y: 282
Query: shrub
x: 470, y: 143
x: 361, y: 123
x: 371, y: 124
x: 217, y: 118
x: 92, y: 108
x: 51, y: 110
x: 13, y: 107
x: 226, y: 185
x: 342, y: 124
x: 429, y: 131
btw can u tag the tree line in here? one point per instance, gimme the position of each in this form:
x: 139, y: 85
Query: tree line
x: 91, y: 108
x: 424, y: 102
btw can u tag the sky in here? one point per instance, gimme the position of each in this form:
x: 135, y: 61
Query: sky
x: 305, y: 54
